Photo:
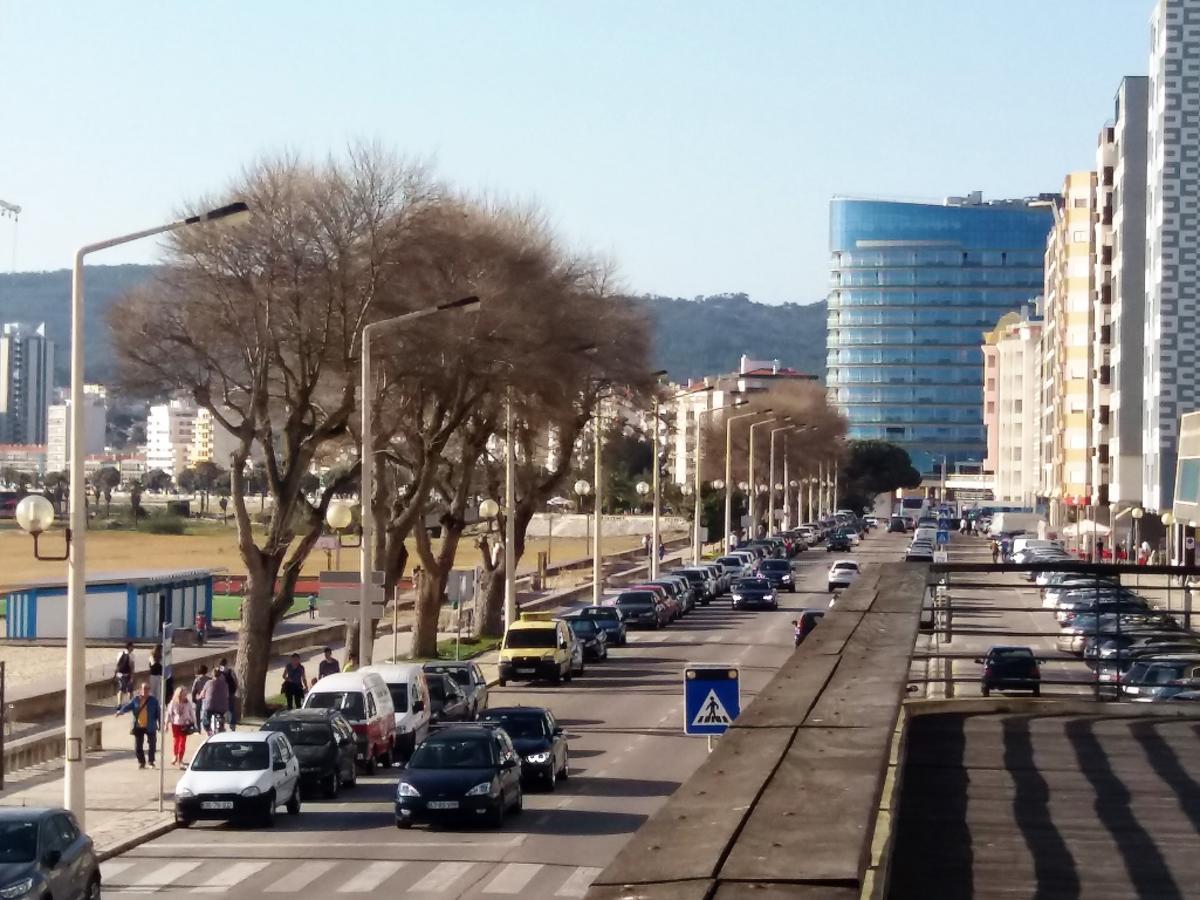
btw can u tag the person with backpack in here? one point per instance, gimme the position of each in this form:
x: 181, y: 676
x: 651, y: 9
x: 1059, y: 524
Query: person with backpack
x: 231, y: 683
x: 201, y: 679
x: 145, y: 711
x: 214, y: 704
x: 124, y: 673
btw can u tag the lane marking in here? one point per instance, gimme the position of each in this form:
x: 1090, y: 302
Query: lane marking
x: 441, y: 877
x: 370, y: 877
x: 165, y: 874
x: 251, y: 846
x: 299, y: 878
x: 577, y: 885
x: 512, y: 878
x: 112, y: 868
x: 229, y: 877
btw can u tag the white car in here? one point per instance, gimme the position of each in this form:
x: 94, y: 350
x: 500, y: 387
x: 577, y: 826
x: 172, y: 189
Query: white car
x: 842, y: 574
x: 239, y: 775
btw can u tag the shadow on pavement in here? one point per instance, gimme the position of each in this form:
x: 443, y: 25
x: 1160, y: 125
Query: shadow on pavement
x: 577, y: 822
x: 620, y: 787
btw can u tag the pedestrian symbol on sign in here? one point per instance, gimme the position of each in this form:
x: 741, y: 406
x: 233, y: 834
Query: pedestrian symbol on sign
x: 712, y: 712
x: 711, y: 698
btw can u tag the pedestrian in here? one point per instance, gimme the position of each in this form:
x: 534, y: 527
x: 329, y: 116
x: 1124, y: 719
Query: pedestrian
x: 124, y: 673
x: 295, y: 682
x: 214, y: 702
x: 962, y: 525
x: 646, y: 544
x: 156, y: 670
x: 202, y: 678
x: 328, y: 665
x: 351, y: 663
x: 662, y: 551
x: 181, y: 716
x: 312, y: 606
x: 995, y: 552
x: 145, y: 711
x: 232, y: 683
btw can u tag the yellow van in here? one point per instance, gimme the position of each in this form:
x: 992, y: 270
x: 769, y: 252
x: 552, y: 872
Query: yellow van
x: 536, y: 647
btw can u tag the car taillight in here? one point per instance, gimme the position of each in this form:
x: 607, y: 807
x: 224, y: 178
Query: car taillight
x: 987, y: 670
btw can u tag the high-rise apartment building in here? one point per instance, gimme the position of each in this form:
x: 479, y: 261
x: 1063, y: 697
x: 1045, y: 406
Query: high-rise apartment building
x: 914, y: 285
x: 1101, y: 336
x: 1126, y: 290
x: 1172, y: 316
x: 211, y: 442
x: 95, y: 420
x: 26, y: 383
x: 169, y: 433
x: 1012, y: 360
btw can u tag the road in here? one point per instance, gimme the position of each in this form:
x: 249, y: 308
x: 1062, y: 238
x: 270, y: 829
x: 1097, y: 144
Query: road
x: 627, y: 752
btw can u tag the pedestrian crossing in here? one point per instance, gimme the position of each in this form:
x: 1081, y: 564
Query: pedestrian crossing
x: 126, y: 877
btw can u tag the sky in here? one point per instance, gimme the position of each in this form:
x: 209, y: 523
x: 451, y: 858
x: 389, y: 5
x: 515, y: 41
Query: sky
x: 696, y: 143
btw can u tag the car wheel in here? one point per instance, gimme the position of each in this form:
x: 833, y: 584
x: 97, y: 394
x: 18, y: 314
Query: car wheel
x: 519, y: 805
x: 369, y: 764
x: 497, y: 816
x: 268, y: 816
x: 93, y: 888
x: 352, y: 781
x: 293, y: 804
x: 334, y: 785
x: 565, y: 774
x: 502, y: 682
x: 557, y: 677
x: 552, y: 780
x: 182, y: 822
x: 404, y: 824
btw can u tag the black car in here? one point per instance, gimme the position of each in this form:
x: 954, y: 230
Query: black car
x: 641, y: 608
x: 468, y: 772
x: 470, y: 680
x: 324, y: 745
x: 839, y: 542
x: 44, y: 853
x: 754, y: 592
x: 538, y: 739
x: 591, y: 637
x: 699, y: 582
x: 610, y: 619
x: 897, y: 525
x: 779, y: 573
x: 447, y: 703
x: 1007, y: 668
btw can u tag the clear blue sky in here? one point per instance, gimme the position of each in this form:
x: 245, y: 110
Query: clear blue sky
x: 696, y: 142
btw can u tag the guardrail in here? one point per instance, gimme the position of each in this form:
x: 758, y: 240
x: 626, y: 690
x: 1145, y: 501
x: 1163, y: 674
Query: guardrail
x: 787, y: 804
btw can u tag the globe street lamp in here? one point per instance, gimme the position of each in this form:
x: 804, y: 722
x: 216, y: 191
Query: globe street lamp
x: 338, y: 516
x: 582, y: 489
x: 35, y: 515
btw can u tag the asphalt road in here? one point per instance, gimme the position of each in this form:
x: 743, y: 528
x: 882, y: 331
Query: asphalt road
x: 627, y: 752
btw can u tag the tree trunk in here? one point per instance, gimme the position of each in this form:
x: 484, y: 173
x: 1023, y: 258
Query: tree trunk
x: 491, y: 613
x: 254, y: 638
x: 428, y: 607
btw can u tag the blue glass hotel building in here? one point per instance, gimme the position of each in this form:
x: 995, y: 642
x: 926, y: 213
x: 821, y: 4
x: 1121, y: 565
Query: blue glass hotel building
x: 915, y: 285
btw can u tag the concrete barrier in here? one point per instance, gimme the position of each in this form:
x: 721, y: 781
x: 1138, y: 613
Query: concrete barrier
x: 787, y: 804
x: 39, y: 748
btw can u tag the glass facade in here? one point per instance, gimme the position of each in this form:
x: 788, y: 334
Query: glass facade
x: 914, y: 286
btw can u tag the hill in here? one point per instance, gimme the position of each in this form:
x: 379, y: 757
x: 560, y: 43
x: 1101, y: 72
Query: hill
x: 692, y: 337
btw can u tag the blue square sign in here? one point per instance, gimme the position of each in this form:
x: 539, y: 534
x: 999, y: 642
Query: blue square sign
x: 711, y: 698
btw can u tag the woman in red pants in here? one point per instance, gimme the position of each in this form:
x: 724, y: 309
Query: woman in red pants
x: 181, y: 716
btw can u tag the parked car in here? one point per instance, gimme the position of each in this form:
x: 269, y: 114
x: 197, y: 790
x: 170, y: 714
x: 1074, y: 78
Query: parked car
x: 754, y: 592
x: 470, y: 772
x: 469, y: 678
x: 919, y: 551
x: 642, y: 609
x: 538, y: 739
x: 411, y: 709
x: 611, y: 620
x: 1150, y: 678
x: 1010, y: 668
x: 447, y: 703
x: 842, y: 574
x: 365, y: 701
x: 839, y: 543
x: 239, y: 775
x: 44, y: 853
x: 735, y: 566
x: 779, y: 573
x: 323, y: 742
x: 537, y: 646
x: 592, y: 638
x: 685, y: 595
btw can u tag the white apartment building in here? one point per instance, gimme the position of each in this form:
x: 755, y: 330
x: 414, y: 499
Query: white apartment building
x: 169, y: 432
x: 1172, y: 316
x: 211, y: 441
x: 1016, y: 420
x: 1127, y: 291
x: 26, y: 382
x: 1100, y: 394
x: 58, y: 427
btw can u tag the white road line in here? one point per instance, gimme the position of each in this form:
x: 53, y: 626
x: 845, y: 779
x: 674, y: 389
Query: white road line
x: 713, y: 639
x: 114, y: 867
x: 165, y: 874
x: 370, y: 877
x: 299, y: 878
x: 441, y: 876
x: 578, y: 883
x: 251, y: 846
x: 512, y: 878
x: 230, y: 876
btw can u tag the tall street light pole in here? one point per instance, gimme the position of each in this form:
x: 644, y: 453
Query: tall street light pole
x: 729, y: 470
x: 510, y: 515
x: 771, y: 474
x: 753, y: 483
x: 598, y: 489
x: 367, y: 464
x: 74, y: 792
x: 699, y: 456
x: 655, y: 483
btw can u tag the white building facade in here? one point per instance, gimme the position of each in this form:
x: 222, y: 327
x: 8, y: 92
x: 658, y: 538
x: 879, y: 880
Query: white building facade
x: 95, y: 421
x: 170, y: 429
x: 26, y: 383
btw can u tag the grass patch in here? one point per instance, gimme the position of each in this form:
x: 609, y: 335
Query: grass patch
x: 227, y: 607
x: 469, y: 648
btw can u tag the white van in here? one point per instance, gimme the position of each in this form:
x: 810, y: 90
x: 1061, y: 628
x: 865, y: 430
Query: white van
x: 409, y: 687
x: 365, y: 701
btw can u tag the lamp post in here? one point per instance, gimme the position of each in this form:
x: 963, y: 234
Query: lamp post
x: 1136, y: 515
x: 787, y: 507
x: 597, y: 504
x: 729, y: 472
x: 655, y: 476
x: 338, y: 516
x: 771, y: 476
x: 750, y: 476
x: 367, y: 465
x: 74, y: 794
x: 643, y: 489
x: 699, y: 455
x: 1168, y: 519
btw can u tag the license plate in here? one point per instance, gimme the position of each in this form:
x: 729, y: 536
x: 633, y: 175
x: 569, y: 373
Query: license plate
x: 525, y: 671
x: 443, y: 804
x: 216, y: 804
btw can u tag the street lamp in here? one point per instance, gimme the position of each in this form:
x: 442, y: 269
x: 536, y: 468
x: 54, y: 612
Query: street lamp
x: 338, y: 516
x: 582, y: 489
x: 366, y: 461
x: 655, y: 476
x: 729, y: 470
x: 35, y: 515
x: 1136, y: 514
x: 699, y: 455
x: 771, y: 476
x: 753, y: 520
x: 76, y: 672
x: 787, y: 506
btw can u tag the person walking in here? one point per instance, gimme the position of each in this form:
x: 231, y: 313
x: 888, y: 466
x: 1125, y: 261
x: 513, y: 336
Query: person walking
x: 214, y: 703
x: 295, y: 682
x: 156, y: 670
x: 181, y: 716
x: 351, y: 663
x: 231, y: 683
x: 995, y: 552
x: 312, y: 606
x: 198, y: 683
x: 124, y: 673
x: 328, y: 665
x: 145, y: 711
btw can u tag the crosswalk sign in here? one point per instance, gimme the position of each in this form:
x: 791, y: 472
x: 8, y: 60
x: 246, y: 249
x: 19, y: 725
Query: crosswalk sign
x: 711, y: 698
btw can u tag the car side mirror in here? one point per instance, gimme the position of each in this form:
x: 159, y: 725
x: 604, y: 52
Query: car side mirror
x: 509, y: 763
x: 418, y: 706
x: 558, y: 731
x: 52, y: 858
x: 979, y: 660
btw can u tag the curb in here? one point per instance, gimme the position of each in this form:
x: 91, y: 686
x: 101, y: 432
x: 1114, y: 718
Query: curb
x: 129, y: 843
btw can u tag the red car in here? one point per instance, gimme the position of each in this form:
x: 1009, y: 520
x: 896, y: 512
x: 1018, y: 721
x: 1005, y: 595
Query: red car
x: 674, y: 610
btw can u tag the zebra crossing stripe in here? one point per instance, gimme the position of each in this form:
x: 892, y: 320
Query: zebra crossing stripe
x: 577, y: 885
x: 370, y: 877
x: 299, y: 878
x: 512, y: 878
x: 166, y: 874
x: 441, y: 876
x: 112, y: 868
x: 230, y: 876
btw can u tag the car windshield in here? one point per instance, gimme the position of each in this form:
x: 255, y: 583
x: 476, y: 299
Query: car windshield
x: 302, y: 734
x: 520, y: 638
x: 232, y: 756
x: 518, y: 726
x: 460, y: 674
x: 1005, y: 654
x: 453, y: 753
x: 753, y: 584
x: 583, y: 626
x: 437, y: 687
x: 18, y: 842
x: 777, y: 564
x: 635, y: 601
x: 348, y: 703
x: 729, y: 561
x: 604, y: 614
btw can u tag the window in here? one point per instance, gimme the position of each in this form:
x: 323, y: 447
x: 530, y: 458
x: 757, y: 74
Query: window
x: 1080, y: 203
x: 991, y: 407
x: 991, y: 384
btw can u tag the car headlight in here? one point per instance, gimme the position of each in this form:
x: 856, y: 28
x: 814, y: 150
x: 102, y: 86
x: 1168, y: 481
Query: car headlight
x: 181, y: 791
x: 404, y: 789
x: 252, y: 791
x: 480, y: 790
x: 17, y: 889
x: 786, y: 578
x: 737, y: 596
x: 538, y: 758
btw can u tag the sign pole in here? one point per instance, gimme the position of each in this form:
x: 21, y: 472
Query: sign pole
x: 395, y: 622
x: 168, y: 633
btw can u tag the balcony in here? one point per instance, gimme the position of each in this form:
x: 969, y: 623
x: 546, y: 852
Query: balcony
x: 1105, y: 415
x: 1106, y: 335
x: 1106, y: 217
x: 1106, y: 293
x: 1106, y: 252
x: 1105, y: 374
